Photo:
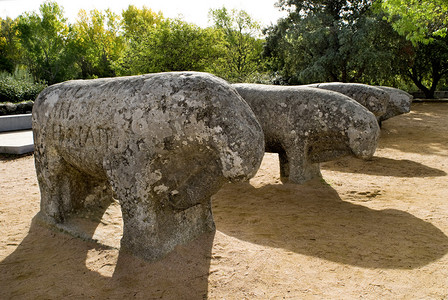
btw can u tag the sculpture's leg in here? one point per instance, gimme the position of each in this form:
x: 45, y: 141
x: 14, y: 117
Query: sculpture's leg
x: 284, y: 167
x: 63, y: 188
x: 152, y: 233
x: 305, y: 172
x: 300, y: 170
x: 151, y: 227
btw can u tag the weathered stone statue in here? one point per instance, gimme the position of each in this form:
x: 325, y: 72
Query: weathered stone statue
x: 372, y: 98
x: 307, y: 126
x: 399, y: 103
x: 162, y: 143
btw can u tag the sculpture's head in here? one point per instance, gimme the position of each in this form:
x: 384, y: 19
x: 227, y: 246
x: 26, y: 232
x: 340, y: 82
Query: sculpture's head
x: 399, y: 103
x: 340, y: 127
x: 204, y: 134
x: 201, y: 115
x: 363, y: 134
x: 238, y: 137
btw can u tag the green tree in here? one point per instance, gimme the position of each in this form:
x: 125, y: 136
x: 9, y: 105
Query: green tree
x: 136, y: 21
x: 171, y: 45
x: 98, y: 42
x: 328, y: 40
x: 9, y: 51
x: 43, y: 38
x: 424, y: 23
x: 138, y: 24
x: 418, y: 20
x: 243, y: 47
x: 429, y: 65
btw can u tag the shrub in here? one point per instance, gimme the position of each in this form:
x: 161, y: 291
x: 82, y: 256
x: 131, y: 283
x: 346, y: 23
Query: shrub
x: 19, y: 86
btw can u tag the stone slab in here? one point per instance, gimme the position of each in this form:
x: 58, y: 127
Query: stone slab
x: 16, y: 142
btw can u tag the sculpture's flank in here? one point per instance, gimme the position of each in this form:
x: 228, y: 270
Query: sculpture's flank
x: 399, y: 102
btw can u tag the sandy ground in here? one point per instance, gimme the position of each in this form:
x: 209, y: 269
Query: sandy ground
x: 370, y: 229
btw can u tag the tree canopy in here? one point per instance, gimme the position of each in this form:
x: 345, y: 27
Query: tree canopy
x: 429, y: 65
x: 44, y: 41
x: 243, y: 47
x: 418, y: 20
x: 9, y: 51
x: 97, y: 42
x: 381, y: 42
x: 326, y: 40
x: 169, y: 45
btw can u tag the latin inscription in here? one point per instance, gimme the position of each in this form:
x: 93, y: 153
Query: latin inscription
x: 78, y: 135
x: 81, y: 136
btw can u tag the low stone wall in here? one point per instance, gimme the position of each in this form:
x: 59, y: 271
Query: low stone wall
x: 437, y: 95
x: 15, y: 122
x: 8, y: 108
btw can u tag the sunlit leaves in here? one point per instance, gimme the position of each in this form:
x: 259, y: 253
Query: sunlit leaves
x: 418, y: 20
x: 98, y: 42
x: 44, y: 39
x: 9, y: 48
x: 170, y: 45
x: 136, y: 21
x: 243, y: 46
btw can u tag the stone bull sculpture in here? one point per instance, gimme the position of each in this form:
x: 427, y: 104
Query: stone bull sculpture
x: 373, y: 98
x: 162, y: 144
x: 399, y: 103
x: 307, y: 126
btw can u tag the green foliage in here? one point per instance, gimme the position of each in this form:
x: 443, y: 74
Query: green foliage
x: 320, y: 40
x: 9, y: 52
x: 136, y: 21
x: 46, y: 44
x: 19, y: 86
x: 323, y: 40
x: 418, y: 20
x: 170, y: 45
x: 242, y: 47
x: 429, y: 65
x: 97, y: 43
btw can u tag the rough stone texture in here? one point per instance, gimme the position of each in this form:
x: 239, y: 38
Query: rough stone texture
x: 372, y: 98
x: 162, y: 144
x: 307, y: 126
x: 399, y: 102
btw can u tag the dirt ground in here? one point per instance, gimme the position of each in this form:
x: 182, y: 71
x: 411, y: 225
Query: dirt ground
x: 369, y: 229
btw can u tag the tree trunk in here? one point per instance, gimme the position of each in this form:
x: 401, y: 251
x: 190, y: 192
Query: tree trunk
x: 429, y: 93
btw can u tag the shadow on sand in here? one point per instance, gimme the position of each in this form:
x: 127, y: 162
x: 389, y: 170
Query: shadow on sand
x: 60, y: 263
x: 311, y: 219
x: 383, y: 166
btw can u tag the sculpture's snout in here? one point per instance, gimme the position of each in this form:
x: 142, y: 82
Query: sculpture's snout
x: 241, y: 159
x: 364, y: 139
